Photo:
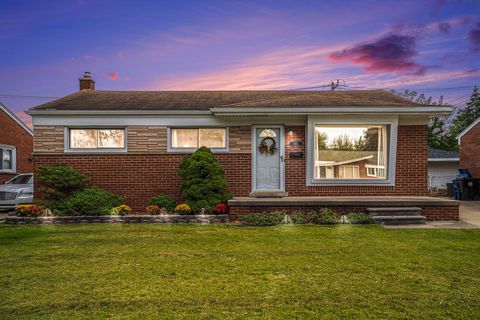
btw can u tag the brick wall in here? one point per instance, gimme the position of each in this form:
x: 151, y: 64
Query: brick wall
x: 431, y: 213
x: 470, y: 151
x: 12, y: 134
x: 139, y: 178
x: 140, y: 175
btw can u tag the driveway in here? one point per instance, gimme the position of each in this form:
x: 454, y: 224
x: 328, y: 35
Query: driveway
x: 470, y: 212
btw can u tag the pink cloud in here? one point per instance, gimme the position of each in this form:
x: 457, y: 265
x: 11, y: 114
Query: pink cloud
x: 113, y: 75
x: 390, y: 53
x: 25, y: 118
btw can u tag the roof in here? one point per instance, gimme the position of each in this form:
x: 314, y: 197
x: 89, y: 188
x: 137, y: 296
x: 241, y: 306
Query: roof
x: 15, y: 118
x: 473, y: 124
x: 442, y: 155
x: 205, y: 100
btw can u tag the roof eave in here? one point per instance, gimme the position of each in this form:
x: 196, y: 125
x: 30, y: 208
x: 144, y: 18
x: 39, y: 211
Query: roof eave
x: 426, y: 110
x: 136, y: 112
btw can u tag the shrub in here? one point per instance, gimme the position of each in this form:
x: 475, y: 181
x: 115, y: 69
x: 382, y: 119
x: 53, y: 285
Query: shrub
x: 220, y: 209
x: 91, y: 202
x: 122, y: 210
x: 325, y: 216
x: 30, y: 210
x: 263, y: 219
x: 155, y: 210
x: 183, y: 209
x: 359, y: 218
x: 204, y: 183
x: 58, y: 182
x: 163, y: 201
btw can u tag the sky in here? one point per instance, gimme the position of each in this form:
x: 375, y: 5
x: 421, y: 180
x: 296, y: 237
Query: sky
x: 431, y: 46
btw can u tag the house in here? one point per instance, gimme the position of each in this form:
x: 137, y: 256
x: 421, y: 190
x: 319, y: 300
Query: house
x: 469, y: 144
x: 442, y: 167
x: 16, y: 145
x: 302, y: 149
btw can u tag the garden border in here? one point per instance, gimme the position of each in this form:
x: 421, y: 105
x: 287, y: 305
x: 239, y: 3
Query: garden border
x: 196, y: 219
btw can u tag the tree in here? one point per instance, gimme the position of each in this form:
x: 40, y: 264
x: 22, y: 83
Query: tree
x: 204, y: 182
x: 322, y: 139
x: 438, y: 134
x: 342, y: 142
x: 467, y: 115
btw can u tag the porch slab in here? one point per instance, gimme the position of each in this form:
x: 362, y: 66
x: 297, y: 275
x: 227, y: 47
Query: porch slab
x: 434, y: 209
x: 363, y: 201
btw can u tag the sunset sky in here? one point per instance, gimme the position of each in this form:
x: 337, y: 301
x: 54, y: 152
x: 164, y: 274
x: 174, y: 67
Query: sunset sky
x: 432, y: 46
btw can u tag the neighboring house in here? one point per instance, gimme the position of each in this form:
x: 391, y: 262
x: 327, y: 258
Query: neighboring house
x: 442, y: 167
x: 271, y: 143
x: 16, y: 145
x: 469, y: 143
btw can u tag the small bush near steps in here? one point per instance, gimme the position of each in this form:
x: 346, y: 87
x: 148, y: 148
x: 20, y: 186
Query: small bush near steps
x: 122, y: 210
x: 263, y: 219
x: 325, y: 216
x: 359, y: 218
x: 155, y: 210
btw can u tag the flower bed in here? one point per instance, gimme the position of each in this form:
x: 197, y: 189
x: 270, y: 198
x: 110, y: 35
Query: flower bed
x: 198, y: 219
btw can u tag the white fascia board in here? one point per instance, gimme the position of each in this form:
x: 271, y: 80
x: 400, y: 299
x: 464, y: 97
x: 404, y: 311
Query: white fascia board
x: 474, y: 123
x: 430, y: 110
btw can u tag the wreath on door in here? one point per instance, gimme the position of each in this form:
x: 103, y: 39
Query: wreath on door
x: 268, y: 146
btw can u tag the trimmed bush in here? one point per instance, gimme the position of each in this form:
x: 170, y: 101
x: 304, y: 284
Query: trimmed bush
x: 359, y: 218
x: 163, y: 201
x: 326, y: 216
x: 263, y: 219
x: 91, y: 202
x: 204, y: 183
x: 57, y: 183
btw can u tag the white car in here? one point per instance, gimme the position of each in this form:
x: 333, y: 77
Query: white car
x: 18, y: 190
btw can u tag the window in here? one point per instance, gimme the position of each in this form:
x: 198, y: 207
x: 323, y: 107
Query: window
x: 7, y: 159
x: 193, y: 138
x: 350, y: 152
x: 97, y: 139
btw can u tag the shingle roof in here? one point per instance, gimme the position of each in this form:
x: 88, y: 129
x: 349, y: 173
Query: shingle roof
x: 441, y: 154
x: 204, y: 100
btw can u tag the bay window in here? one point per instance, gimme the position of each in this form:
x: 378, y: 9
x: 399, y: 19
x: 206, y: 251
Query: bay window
x: 93, y: 138
x: 350, y: 152
x: 194, y: 138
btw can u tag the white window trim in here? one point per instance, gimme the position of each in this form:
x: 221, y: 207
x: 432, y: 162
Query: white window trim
x: 345, y: 120
x: 66, y: 139
x: 14, y: 158
x: 171, y: 149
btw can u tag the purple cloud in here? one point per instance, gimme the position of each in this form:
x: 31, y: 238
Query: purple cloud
x: 390, y: 53
x: 474, y: 37
x: 444, y: 27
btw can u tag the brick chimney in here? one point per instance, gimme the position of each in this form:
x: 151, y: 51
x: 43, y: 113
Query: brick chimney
x: 86, y: 82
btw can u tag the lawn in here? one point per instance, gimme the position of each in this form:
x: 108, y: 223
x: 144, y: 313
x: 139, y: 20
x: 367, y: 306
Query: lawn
x: 229, y: 272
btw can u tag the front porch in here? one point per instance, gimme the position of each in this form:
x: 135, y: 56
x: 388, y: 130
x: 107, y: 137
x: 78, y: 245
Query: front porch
x: 434, y: 209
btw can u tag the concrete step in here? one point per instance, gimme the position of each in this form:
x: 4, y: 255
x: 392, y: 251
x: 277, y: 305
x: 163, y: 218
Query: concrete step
x: 394, y: 211
x: 399, y: 220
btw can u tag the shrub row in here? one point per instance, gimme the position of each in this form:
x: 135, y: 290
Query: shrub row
x: 324, y: 217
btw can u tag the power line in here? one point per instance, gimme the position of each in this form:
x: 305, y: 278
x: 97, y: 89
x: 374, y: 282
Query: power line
x: 25, y: 97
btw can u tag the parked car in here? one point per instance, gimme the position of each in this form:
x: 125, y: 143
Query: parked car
x: 18, y: 190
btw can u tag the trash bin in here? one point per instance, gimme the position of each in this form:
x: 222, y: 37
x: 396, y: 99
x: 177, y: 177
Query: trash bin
x: 469, y: 189
x: 450, y: 190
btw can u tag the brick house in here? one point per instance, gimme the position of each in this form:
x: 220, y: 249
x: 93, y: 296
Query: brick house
x: 16, y: 145
x: 323, y: 144
x: 469, y: 142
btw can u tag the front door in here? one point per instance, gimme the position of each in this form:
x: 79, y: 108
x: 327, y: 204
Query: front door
x: 268, y: 158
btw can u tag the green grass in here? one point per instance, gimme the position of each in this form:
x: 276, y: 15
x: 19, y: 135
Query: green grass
x: 228, y: 272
